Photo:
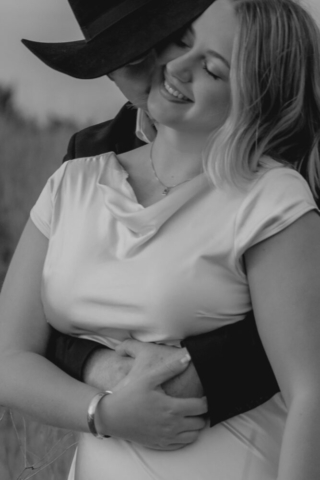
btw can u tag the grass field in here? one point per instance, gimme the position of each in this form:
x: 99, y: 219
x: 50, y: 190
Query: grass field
x: 29, y: 449
x: 29, y: 154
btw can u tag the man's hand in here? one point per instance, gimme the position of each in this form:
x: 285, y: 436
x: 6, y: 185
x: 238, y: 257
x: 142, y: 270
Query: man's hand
x: 139, y: 411
x: 105, y: 368
x: 186, y: 384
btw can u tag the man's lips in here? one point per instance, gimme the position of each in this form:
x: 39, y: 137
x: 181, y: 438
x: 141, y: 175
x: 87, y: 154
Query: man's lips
x: 174, y: 92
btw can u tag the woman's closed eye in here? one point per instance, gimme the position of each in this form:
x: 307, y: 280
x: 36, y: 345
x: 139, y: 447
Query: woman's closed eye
x: 210, y: 72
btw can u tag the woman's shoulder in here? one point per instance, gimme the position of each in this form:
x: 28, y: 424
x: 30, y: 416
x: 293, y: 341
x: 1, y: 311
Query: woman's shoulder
x: 273, y: 184
x: 276, y: 178
x: 277, y: 193
x: 94, y: 163
x: 91, y: 168
x: 81, y: 172
x: 278, y: 197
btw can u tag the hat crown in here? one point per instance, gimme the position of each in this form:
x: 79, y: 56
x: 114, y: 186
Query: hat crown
x: 115, y: 33
x: 88, y: 11
x: 95, y: 16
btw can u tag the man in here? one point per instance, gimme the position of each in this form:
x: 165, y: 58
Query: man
x: 121, y: 41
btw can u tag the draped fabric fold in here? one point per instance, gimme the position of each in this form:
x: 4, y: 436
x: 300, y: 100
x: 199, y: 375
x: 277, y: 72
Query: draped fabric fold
x: 141, y: 223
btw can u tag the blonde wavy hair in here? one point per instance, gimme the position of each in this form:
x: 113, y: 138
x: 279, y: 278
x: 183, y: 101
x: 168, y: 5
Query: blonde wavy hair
x: 275, y: 94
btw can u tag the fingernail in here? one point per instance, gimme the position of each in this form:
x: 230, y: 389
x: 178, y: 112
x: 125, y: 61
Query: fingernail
x: 185, y: 359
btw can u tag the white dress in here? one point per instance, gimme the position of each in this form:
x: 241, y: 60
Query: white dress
x: 116, y: 270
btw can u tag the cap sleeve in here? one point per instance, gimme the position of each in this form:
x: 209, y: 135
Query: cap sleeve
x: 41, y: 213
x: 278, y: 198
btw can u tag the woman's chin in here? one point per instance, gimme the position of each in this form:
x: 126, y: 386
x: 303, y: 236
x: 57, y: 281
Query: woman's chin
x: 166, y: 111
x: 164, y: 115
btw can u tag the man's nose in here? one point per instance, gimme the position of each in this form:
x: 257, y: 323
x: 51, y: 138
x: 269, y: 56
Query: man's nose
x: 180, y: 69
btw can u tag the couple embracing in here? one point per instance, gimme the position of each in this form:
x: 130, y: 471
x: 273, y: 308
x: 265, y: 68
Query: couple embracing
x: 176, y: 220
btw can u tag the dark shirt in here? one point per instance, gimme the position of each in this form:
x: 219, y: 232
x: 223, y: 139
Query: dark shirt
x: 231, y: 362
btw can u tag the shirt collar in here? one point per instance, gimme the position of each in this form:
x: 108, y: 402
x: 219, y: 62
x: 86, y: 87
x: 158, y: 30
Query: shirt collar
x: 145, y: 129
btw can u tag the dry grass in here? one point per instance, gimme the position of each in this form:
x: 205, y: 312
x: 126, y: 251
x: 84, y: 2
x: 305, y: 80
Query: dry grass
x: 29, y: 449
x: 29, y: 154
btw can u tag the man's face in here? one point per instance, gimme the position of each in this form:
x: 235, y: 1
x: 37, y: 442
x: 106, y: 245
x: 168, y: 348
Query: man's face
x: 134, y: 79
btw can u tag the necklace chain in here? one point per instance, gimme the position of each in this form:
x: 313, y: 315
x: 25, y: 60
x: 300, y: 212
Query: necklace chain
x: 167, y: 188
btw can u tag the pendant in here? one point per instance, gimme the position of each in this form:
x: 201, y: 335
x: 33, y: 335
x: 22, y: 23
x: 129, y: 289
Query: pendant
x: 166, y: 191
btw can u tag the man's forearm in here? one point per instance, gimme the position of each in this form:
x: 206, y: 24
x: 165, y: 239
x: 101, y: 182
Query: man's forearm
x: 70, y: 353
x: 105, y: 369
x: 185, y: 385
x: 234, y: 369
x: 87, y: 361
x: 229, y: 365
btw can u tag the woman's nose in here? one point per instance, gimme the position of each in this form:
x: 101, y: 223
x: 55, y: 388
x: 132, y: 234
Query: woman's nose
x: 180, y: 68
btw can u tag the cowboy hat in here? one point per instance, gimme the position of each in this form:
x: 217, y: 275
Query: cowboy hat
x: 116, y: 32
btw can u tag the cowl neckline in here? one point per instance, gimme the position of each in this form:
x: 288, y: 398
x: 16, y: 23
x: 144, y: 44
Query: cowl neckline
x: 121, y: 201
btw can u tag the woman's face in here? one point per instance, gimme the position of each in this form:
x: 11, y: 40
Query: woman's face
x: 191, y: 92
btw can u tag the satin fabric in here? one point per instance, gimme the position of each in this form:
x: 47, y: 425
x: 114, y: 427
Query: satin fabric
x: 116, y: 270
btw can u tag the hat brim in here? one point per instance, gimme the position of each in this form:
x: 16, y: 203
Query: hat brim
x: 120, y: 44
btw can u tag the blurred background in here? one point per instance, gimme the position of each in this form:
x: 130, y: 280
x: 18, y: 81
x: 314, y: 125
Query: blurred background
x: 39, y: 108
x: 41, y: 91
x: 39, y: 111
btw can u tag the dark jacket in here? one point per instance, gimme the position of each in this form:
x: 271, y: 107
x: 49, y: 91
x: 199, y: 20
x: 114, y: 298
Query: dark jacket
x: 231, y: 362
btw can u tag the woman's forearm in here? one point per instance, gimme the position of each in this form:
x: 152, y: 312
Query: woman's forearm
x: 28, y: 381
x: 300, y: 459
x: 31, y: 383
x: 138, y: 410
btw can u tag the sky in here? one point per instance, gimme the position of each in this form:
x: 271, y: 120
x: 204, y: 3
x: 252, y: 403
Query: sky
x: 41, y: 91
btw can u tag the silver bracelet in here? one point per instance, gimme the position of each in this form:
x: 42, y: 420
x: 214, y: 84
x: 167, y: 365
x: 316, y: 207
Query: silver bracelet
x: 92, y: 411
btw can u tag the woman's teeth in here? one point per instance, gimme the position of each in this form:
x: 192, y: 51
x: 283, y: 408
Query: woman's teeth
x: 173, y: 92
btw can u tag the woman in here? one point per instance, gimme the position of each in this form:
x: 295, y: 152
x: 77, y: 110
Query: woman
x: 245, y: 82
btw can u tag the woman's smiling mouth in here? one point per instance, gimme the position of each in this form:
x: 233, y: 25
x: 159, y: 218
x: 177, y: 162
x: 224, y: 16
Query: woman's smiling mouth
x: 175, y: 93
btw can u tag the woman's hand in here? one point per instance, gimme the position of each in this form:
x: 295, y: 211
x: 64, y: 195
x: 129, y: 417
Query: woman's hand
x: 139, y: 410
x: 147, y: 355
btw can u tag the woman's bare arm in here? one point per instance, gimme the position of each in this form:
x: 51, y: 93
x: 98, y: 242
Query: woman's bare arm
x: 24, y: 373
x: 31, y: 383
x: 284, y: 279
